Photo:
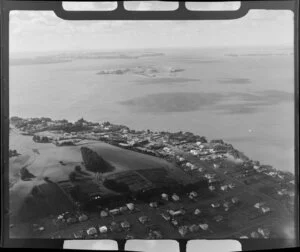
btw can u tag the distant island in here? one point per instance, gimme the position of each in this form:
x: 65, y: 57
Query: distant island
x: 148, y: 71
x: 68, y: 57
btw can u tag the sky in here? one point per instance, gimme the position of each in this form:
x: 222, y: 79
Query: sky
x: 43, y: 31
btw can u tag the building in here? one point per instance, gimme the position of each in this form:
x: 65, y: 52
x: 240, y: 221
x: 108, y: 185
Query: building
x: 194, y: 228
x: 259, y: 204
x: 215, y: 205
x: 193, y: 195
x: 143, y: 219
x: 123, y: 209
x: 165, y: 216
x: 175, y: 197
x: 125, y: 225
x: 91, y: 231
x: 216, y: 166
x: 265, y: 232
x: 235, y: 200
x: 174, y: 223
x: 218, y: 218
x: 165, y: 196
x: 114, y: 211
x: 203, y: 226
x: 103, y: 229
x: 82, y: 218
x: 254, y: 235
x: 212, y: 188
x: 103, y: 214
x: 224, y: 187
x: 231, y: 185
x: 197, y: 211
x: 130, y: 206
x: 177, y: 213
x: 265, y: 209
x: 153, y: 204
x: 183, y: 230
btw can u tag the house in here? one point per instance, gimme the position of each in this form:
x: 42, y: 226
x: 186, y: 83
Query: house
x: 91, y: 231
x: 174, y: 223
x: 166, y: 149
x: 265, y: 209
x: 259, y: 204
x: 114, y: 211
x: 254, y: 235
x: 256, y: 167
x: 265, y: 232
x: 123, y: 209
x: 177, y: 213
x: 216, y: 166
x: 197, y: 211
x: 235, y: 200
x: 193, y: 195
x: 212, y: 180
x: 231, y: 185
x: 125, y: 225
x: 226, y: 204
x: 103, y: 214
x: 224, y: 187
x: 244, y: 237
x: 218, y: 218
x: 114, y: 227
x: 194, y: 152
x: 175, y: 197
x: 183, y: 230
x: 212, y: 188
x: 82, y: 218
x: 71, y: 220
x: 215, y: 205
x: 143, y: 219
x: 103, y: 230
x: 153, y: 204
x: 130, y: 206
x: 165, y: 216
x: 194, y: 228
x: 79, y: 234
x: 165, y: 196
x: 203, y: 226
x: 188, y: 164
x: 209, y: 175
x: 156, y: 234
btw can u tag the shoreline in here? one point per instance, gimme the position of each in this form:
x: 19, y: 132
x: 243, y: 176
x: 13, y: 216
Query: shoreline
x: 132, y: 147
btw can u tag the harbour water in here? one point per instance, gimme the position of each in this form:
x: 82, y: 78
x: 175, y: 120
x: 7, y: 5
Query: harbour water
x: 243, y: 96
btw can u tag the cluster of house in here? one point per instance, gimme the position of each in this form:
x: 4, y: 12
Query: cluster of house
x: 259, y: 233
x: 185, y: 229
x: 116, y: 211
x: 71, y: 218
x: 103, y: 229
x: 262, y: 207
x: 227, y: 204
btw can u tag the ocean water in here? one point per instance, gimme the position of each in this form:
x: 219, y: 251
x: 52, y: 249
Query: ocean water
x: 245, y: 99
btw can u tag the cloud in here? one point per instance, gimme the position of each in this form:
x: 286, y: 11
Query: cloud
x: 44, y: 31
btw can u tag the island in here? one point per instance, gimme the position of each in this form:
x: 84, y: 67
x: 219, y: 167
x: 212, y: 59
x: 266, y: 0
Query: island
x: 108, y: 181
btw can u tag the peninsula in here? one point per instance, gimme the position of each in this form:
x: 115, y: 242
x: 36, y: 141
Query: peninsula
x: 107, y: 181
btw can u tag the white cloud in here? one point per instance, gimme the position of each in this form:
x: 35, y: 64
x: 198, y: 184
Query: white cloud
x: 44, y: 31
